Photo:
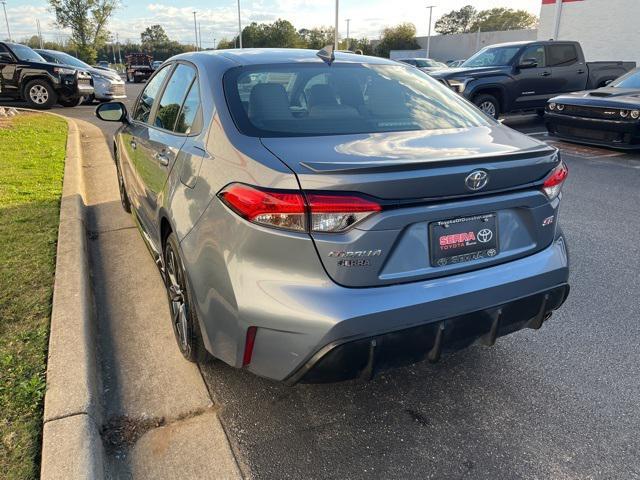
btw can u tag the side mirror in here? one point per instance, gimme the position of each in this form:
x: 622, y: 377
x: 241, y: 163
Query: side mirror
x: 5, y: 57
x: 528, y: 63
x: 112, y: 112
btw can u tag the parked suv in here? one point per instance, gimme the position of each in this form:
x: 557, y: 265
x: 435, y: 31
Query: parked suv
x: 318, y: 219
x: 26, y: 75
x: 517, y: 76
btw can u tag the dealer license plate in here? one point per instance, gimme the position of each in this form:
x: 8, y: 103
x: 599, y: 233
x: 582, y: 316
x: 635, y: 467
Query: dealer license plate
x: 465, y: 239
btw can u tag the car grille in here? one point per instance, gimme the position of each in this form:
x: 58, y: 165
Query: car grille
x: 591, y: 112
x: 592, y: 134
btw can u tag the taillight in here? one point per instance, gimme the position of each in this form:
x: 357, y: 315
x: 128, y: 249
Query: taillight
x: 271, y: 208
x: 316, y: 212
x: 553, y: 183
x: 337, y: 213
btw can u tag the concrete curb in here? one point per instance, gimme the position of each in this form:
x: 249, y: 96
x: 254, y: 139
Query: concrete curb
x: 71, y: 444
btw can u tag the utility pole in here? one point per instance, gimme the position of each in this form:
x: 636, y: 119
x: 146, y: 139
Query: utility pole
x: 348, y: 42
x: 113, y: 50
x: 195, y: 29
x: 239, y: 26
x: 430, y: 7
x: 6, y: 19
x: 39, y: 32
x: 335, y: 33
x: 119, y: 52
x: 214, y: 43
x: 200, y: 34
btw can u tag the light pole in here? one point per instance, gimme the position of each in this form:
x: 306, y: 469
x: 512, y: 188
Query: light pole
x: 195, y: 29
x: 6, y: 19
x: 214, y: 43
x: 239, y: 26
x: 430, y: 7
x: 335, y: 33
x: 200, y: 35
x: 348, y: 43
x: 119, y: 51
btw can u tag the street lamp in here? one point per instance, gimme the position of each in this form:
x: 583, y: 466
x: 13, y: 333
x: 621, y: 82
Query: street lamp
x: 348, y: 43
x: 6, y: 19
x: 239, y: 26
x: 430, y: 7
x: 195, y: 29
x: 335, y: 33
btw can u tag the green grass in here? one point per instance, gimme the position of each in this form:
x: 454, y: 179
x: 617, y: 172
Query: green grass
x: 32, y: 151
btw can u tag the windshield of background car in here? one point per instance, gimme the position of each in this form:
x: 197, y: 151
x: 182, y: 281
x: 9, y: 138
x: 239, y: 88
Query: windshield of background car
x: 317, y: 99
x: 492, y: 57
x: 629, y: 80
x: 26, y: 54
x: 69, y: 60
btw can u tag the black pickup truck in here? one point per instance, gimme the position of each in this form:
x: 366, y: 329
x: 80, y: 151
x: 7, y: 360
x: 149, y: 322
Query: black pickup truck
x: 25, y: 75
x: 518, y: 76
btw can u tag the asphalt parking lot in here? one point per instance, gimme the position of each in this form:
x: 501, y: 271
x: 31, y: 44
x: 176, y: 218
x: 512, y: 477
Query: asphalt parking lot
x: 561, y: 402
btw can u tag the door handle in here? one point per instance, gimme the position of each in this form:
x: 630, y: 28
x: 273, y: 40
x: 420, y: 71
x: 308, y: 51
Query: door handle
x: 162, y: 158
x: 133, y: 144
x: 545, y: 74
x: 580, y: 71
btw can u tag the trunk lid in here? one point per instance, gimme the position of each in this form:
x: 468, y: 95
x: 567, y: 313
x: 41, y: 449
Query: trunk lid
x: 419, y: 178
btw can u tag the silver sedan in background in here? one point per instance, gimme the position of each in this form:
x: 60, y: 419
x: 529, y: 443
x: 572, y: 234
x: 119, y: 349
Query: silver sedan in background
x: 107, y: 84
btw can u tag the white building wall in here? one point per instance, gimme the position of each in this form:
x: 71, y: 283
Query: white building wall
x: 457, y: 47
x: 607, y: 29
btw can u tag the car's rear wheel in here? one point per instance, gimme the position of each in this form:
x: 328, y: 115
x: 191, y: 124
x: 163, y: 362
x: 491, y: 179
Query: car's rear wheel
x: 40, y: 94
x: 183, y: 316
x: 488, y: 104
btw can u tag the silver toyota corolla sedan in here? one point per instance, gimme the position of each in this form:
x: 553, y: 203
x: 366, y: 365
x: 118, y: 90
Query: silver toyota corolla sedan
x: 318, y: 218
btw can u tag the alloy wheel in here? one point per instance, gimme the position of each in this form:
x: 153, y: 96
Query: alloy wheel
x: 39, y: 94
x: 177, y: 293
x: 489, y: 108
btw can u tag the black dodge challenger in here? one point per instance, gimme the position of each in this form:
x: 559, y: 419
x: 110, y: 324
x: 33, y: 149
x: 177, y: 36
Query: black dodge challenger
x: 608, y: 116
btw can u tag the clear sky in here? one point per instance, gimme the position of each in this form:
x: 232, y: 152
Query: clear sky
x: 218, y: 18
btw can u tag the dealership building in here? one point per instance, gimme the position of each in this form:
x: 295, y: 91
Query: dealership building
x: 607, y: 29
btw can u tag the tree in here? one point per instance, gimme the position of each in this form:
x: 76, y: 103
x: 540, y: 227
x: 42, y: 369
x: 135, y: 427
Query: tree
x: 503, y: 19
x: 317, y: 38
x: 457, y: 21
x: 400, y: 37
x: 154, y: 35
x: 87, y: 20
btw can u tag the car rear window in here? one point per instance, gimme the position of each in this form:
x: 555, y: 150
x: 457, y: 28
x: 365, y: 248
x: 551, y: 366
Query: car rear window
x: 318, y: 99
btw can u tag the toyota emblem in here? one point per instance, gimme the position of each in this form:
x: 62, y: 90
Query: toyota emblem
x: 485, y: 235
x: 477, y: 180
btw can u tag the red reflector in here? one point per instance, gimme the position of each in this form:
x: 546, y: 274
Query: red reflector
x: 557, y: 176
x: 248, y: 345
x: 320, y: 203
x: 250, y: 202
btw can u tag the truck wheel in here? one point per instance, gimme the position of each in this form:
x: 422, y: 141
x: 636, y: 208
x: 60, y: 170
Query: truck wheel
x: 488, y: 104
x: 137, y: 79
x: 70, y: 102
x: 40, y: 94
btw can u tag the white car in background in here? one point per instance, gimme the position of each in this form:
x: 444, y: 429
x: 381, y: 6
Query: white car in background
x: 107, y: 84
x: 425, y: 64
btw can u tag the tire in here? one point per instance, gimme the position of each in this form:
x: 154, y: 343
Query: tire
x: 137, y: 80
x: 124, y: 196
x: 70, y: 102
x: 540, y: 112
x: 488, y: 104
x: 183, y: 317
x: 89, y: 100
x: 39, y: 94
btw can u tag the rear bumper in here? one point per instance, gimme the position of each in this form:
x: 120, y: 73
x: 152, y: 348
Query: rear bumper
x: 332, y: 337
x: 594, y: 131
x: 363, y: 358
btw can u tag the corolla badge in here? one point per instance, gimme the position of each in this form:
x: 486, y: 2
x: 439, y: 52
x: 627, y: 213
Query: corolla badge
x: 476, y: 180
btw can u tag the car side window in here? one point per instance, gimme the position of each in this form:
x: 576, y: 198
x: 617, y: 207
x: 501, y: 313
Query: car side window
x: 149, y: 94
x: 537, y: 53
x: 562, y: 55
x: 174, y: 96
x: 190, y: 118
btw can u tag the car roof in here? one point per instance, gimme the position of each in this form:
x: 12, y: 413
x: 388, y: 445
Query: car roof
x: 261, y: 56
